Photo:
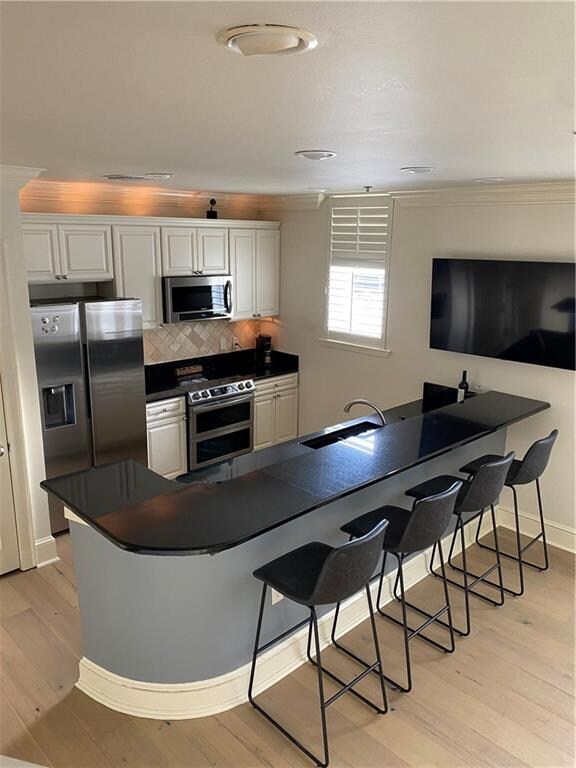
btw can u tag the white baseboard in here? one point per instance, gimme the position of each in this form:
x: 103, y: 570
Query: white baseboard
x: 46, y: 551
x: 182, y: 701
x: 557, y: 534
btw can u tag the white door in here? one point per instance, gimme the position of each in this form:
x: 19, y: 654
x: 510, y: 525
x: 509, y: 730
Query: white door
x: 242, y: 263
x: 85, y: 252
x: 264, y: 410
x: 267, y: 273
x: 212, y: 251
x: 9, y: 555
x: 286, y: 424
x: 40, y: 243
x: 138, y: 270
x: 167, y: 447
x: 178, y: 251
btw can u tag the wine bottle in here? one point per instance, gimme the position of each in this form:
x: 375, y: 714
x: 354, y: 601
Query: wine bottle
x: 463, y: 388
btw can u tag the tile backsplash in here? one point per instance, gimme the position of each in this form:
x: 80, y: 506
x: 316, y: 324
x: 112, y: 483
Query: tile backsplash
x: 178, y: 341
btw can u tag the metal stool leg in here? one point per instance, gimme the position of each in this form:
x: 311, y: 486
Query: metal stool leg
x: 541, y: 535
x: 482, y: 577
x: 321, y: 763
x: 459, y: 529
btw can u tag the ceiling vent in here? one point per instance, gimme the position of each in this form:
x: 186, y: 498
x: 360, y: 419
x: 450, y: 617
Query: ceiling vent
x: 266, y: 39
x: 137, y: 176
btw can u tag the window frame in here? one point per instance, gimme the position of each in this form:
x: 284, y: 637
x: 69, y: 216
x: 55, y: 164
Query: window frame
x: 348, y: 341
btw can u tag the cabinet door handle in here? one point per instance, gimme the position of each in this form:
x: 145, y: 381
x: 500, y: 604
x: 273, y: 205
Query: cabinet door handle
x: 58, y: 277
x: 2, y: 451
x: 65, y: 277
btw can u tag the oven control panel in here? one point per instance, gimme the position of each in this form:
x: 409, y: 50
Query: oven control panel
x: 217, y: 393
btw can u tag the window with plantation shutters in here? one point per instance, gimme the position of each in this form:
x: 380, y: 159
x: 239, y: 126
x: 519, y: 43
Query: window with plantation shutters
x: 358, y: 274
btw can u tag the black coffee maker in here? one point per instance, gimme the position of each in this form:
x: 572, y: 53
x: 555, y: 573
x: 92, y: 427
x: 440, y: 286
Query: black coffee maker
x: 263, y: 349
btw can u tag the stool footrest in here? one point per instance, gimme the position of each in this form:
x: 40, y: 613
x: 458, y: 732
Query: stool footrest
x: 411, y: 632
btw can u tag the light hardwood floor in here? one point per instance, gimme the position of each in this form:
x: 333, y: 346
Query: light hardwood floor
x: 505, y: 698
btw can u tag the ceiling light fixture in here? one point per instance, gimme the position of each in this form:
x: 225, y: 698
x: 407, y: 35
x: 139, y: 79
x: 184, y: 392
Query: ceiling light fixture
x: 266, y: 39
x: 489, y: 180
x: 316, y: 154
x: 418, y: 169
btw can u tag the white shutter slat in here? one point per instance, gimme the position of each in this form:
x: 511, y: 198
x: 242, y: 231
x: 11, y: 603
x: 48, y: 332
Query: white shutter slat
x: 359, y: 242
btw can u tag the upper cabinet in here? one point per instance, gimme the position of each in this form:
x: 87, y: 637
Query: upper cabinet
x: 213, y: 251
x: 136, y: 252
x: 75, y: 252
x: 138, y: 269
x: 86, y: 252
x: 267, y: 273
x: 41, y: 252
x: 195, y: 251
x: 255, y: 268
x: 179, y: 251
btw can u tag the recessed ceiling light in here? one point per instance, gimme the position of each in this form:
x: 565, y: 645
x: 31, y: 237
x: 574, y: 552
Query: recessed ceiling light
x: 487, y: 180
x: 418, y: 169
x: 266, y: 39
x: 316, y: 154
x: 319, y: 189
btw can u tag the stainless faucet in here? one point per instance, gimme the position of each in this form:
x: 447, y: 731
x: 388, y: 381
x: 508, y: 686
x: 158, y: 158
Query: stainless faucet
x: 349, y: 405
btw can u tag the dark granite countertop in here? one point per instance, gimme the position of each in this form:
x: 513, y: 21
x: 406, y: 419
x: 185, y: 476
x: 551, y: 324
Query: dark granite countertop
x: 162, y: 380
x: 142, y: 512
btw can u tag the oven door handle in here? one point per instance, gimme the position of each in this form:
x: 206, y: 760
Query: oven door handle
x: 228, y: 296
x: 221, y: 403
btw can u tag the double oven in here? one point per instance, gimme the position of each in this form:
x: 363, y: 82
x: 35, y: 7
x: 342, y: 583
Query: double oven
x: 220, y: 423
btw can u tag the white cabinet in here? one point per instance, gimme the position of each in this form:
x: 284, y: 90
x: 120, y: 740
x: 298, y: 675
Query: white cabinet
x: 41, y: 253
x: 255, y: 268
x: 242, y: 266
x: 286, y: 416
x: 85, y: 252
x: 267, y: 273
x: 179, y: 251
x: 264, y: 418
x: 275, y: 410
x: 166, y: 436
x: 194, y: 250
x: 213, y: 250
x: 76, y: 252
x: 138, y: 270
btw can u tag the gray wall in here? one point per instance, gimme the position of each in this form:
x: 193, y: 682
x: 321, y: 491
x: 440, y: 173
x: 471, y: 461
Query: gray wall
x: 182, y: 619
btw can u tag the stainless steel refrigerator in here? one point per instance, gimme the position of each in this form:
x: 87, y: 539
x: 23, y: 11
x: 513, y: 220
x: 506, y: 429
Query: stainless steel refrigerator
x: 90, y: 368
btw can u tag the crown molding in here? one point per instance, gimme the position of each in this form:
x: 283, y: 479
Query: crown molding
x: 537, y: 193
x: 44, y: 191
x: 17, y: 176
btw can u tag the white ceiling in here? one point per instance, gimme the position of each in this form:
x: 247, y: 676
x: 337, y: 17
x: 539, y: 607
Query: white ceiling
x: 477, y: 89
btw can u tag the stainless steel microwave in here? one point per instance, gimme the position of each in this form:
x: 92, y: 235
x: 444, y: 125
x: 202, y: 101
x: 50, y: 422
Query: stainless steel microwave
x: 197, y: 298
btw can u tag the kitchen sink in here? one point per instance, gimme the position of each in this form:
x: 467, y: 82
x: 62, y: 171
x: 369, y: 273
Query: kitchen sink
x: 341, y: 434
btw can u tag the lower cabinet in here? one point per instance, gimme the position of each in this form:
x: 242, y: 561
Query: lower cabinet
x: 275, y: 411
x: 166, y: 436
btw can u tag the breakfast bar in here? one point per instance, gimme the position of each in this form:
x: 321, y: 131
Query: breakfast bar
x: 164, y: 568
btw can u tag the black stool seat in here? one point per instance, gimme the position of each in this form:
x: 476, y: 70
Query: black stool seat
x: 435, y: 486
x: 397, y: 517
x: 473, y: 466
x: 295, y: 574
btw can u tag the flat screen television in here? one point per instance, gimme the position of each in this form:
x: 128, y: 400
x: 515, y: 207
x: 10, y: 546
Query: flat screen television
x: 512, y: 310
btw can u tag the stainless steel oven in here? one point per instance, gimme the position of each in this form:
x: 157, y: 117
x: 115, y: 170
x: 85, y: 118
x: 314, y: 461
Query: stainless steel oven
x: 220, y: 423
x: 197, y: 298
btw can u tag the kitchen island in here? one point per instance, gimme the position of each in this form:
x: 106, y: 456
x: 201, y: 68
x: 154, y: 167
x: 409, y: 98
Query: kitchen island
x: 167, y: 599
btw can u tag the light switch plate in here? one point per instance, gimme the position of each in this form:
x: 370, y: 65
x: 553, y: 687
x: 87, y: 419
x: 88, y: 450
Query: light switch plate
x: 276, y: 597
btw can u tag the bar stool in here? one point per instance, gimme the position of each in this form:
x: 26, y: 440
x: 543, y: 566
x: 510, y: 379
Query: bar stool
x: 317, y: 574
x: 409, y: 531
x: 475, y: 496
x: 522, y: 472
